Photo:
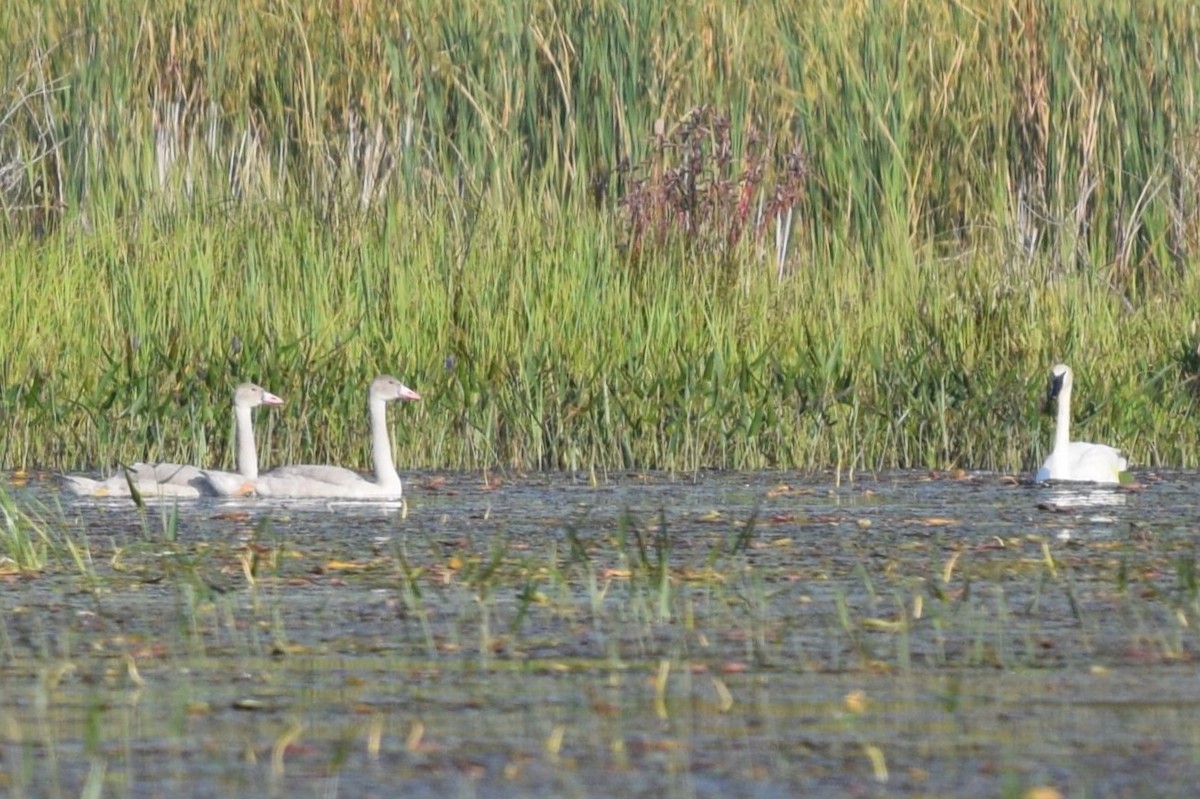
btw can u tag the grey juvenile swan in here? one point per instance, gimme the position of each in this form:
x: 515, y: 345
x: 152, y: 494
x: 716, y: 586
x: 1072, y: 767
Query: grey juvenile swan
x: 336, y: 481
x: 181, y: 480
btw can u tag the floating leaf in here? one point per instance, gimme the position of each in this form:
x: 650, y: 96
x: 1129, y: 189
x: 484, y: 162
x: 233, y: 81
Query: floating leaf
x: 344, y: 565
x: 1042, y: 792
x: 855, y: 701
x: 249, y: 704
x: 884, y: 625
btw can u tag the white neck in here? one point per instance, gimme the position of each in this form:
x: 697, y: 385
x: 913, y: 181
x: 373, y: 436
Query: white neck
x: 1062, y: 425
x: 381, y: 446
x: 247, y: 458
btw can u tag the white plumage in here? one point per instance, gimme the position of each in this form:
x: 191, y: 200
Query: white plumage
x: 1077, y: 461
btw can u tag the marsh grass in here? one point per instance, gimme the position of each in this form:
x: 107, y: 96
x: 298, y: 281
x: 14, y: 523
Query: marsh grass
x: 598, y: 236
x: 25, y: 539
x: 36, y: 537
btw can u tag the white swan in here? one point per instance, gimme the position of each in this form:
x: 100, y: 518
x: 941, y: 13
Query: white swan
x: 337, y: 482
x: 1075, y: 460
x: 180, y: 480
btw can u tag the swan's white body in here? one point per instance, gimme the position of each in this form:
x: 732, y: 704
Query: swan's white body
x: 183, y: 481
x: 337, y: 482
x: 148, y: 479
x: 1077, y: 461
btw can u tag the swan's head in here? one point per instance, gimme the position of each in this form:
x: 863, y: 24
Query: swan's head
x: 389, y: 389
x: 1060, y: 383
x: 248, y: 395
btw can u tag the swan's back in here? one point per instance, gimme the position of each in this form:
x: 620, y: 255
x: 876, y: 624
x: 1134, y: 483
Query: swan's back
x: 118, y: 486
x: 1081, y: 461
x: 225, y: 484
x: 148, y: 479
x: 83, y: 486
x: 337, y: 475
x: 173, y: 473
x: 309, y: 481
x: 322, y: 482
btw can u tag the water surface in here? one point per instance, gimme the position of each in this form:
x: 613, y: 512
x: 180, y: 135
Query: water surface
x: 766, y: 634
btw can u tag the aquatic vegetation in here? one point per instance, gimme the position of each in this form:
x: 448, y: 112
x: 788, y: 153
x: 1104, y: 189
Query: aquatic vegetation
x: 642, y: 633
x: 24, y: 537
x: 596, y: 236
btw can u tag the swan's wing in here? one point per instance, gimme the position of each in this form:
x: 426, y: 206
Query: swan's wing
x: 1098, y: 463
x: 149, y: 480
x: 175, y: 473
x: 149, y: 489
x: 337, y: 475
x: 1083, y: 462
x: 81, y: 486
x: 113, y: 486
x: 323, y: 482
x: 224, y: 484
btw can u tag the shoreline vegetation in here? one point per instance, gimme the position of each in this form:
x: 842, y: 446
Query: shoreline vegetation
x: 599, y: 235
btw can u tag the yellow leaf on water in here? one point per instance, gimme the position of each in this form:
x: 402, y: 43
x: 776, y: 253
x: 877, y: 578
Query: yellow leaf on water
x: 249, y: 704
x: 884, y: 625
x: 344, y: 565
x: 855, y: 701
x: 289, y: 649
x: 878, y: 762
x: 724, y: 695
x: 1042, y: 792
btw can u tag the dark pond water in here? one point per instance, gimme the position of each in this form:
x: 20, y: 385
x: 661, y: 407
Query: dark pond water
x: 767, y: 634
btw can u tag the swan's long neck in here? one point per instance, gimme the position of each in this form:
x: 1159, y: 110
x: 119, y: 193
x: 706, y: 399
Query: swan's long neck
x: 381, y: 446
x: 1062, y: 425
x: 247, y: 458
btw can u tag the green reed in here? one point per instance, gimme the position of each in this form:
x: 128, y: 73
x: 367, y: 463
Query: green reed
x: 865, y: 249
x: 565, y: 359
